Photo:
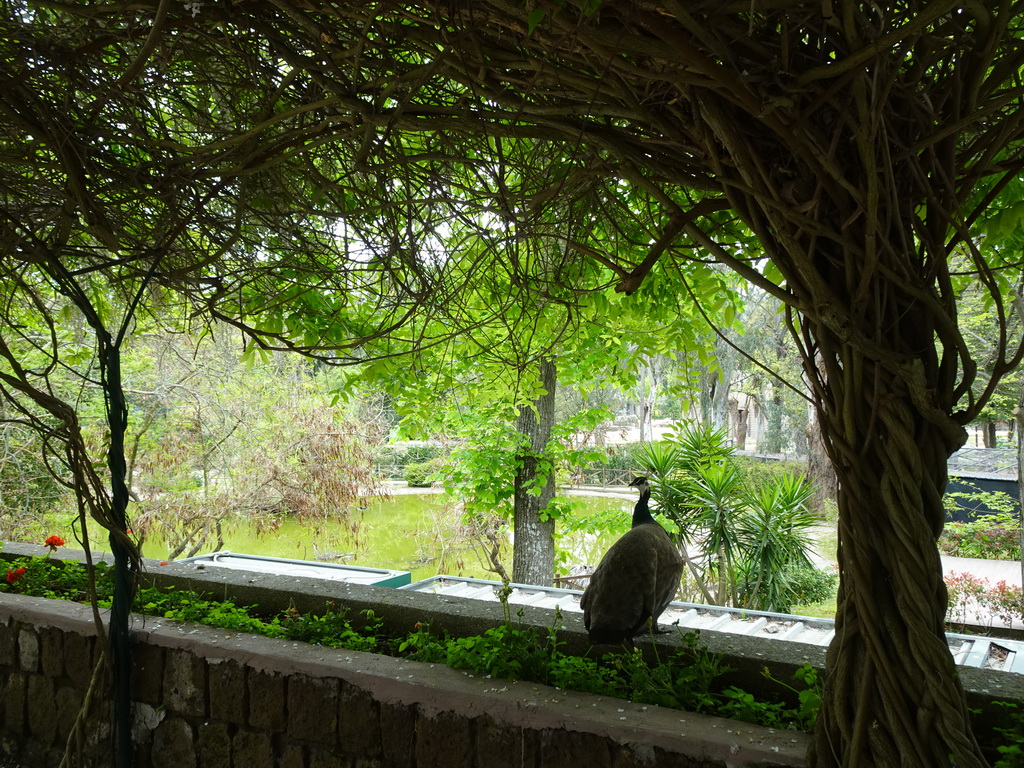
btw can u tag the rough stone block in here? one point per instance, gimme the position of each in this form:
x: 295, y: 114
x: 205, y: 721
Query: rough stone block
x: 359, y: 729
x: 227, y: 691
x: 313, y: 709
x: 69, y: 703
x: 143, y: 755
x: 498, y: 745
x: 8, y: 643
x: 266, y: 701
x: 292, y: 756
x: 28, y: 650
x: 80, y: 658
x: 41, y: 709
x: 145, y: 719
x: 14, y: 693
x: 444, y: 740
x: 174, y: 743
x: 185, y: 683
x: 98, y: 731
x: 571, y: 749
x: 253, y: 749
x: 148, y: 673
x: 51, y: 651
x: 213, y: 744
x: 628, y: 756
x: 325, y: 758
x: 35, y: 754
x: 398, y: 726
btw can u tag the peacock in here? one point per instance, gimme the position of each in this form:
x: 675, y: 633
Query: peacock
x: 635, y: 580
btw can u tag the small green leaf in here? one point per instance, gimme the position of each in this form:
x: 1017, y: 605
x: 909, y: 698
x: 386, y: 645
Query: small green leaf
x: 535, y: 18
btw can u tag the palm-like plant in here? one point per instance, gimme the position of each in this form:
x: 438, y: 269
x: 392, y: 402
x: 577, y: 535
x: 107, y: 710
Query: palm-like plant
x: 748, y: 540
x: 774, y: 532
x: 717, y: 506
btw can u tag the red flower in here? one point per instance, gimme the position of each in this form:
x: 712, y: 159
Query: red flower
x: 15, y: 575
x: 53, y: 542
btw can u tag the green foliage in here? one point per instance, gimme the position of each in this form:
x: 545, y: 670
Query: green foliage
x: 28, y: 488
x: 686, y: 680
x: 419, y: 475
x: 392, y: 459
x: 333, y: 629
x: 743, y: 706
x: 974, y: 498
x: 56, y: 579
x: 700, y: 445
x: 808, y: 585
x: 774, y: 541
x: 511, y: 650
x: 974, y: 600
x: 756, y: 470
x: 212, y: 442
x: 481, y: 470
x: 989, y: 537
x: 1011, y: 752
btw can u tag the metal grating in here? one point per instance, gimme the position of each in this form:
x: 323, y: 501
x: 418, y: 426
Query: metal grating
x: 968, y: 650
x: 282, y: 566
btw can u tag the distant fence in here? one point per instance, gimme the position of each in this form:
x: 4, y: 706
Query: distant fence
x: 990, y: 461
x: 602, y: 476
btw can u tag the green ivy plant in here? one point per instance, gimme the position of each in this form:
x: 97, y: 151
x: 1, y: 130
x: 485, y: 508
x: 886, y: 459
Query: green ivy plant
x: 512, y: 650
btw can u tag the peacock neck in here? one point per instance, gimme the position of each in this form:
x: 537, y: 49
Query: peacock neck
x: 642, y: 511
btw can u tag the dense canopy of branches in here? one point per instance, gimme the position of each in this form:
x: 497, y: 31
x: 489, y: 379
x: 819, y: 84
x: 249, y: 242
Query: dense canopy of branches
x: 323, y: 174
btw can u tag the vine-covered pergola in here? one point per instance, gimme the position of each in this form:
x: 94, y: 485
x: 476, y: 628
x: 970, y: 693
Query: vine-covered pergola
x: 841, y: 156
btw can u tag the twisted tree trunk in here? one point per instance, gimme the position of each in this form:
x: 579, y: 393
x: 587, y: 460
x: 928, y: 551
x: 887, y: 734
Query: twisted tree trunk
x: 871, y: 301
x: 891, y: 686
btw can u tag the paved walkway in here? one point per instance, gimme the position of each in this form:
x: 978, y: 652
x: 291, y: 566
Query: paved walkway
x: 991, y: 571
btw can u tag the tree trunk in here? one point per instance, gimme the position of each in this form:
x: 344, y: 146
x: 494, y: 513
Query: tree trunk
x: 716, y: 386
x: 648, y: 396
x: 820, y: 471
x: 738, y: 418
x: 988, y: 433
x: 533, y: 548
x: 1018, y: 418
x: 892, y: 696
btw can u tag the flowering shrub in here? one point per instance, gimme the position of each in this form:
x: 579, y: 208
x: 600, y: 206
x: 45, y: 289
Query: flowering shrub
x: 970, y: 596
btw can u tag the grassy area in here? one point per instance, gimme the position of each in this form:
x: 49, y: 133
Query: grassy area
x: 826, y: 610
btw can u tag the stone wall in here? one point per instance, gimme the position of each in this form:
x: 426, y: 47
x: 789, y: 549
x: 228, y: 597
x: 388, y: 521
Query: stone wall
x: 207, y: 698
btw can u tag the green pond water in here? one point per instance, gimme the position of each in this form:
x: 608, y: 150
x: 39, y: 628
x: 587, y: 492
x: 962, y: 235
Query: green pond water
x: 415, y: 533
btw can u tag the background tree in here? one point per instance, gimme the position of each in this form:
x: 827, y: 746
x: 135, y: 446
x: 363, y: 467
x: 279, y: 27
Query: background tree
x: 215, y: 443
x: 484, y: 389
